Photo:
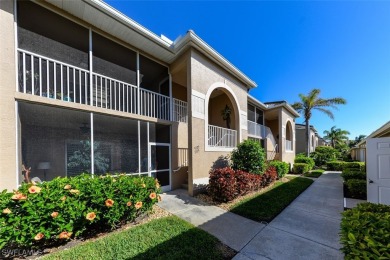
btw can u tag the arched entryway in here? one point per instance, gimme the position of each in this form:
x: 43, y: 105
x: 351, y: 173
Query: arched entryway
x: 289, y: 136
x: 222, y: 119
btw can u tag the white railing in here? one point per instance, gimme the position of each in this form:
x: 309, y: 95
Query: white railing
x: 221, y: 137
x: 46, y: 77
x: 154, y: 105
x: 288, y: 145
x: 257, y: 130
x: 113, y: 94
x: 179, y: 110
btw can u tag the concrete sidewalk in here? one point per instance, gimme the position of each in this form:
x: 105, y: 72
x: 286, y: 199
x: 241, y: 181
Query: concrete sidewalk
x: 307, y: 229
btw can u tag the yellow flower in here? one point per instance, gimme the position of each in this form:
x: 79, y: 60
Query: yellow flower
x: 113, y: 180
x: 152, y: 195
x: 65, y: 235
x: 54, y: 214
x: 143, y: 185
x: 7, y: 211
x: 128, y: 203
x: 39, y: 236
x: 34, y: 189
x: 91, y: 216
x: 109, y: 202
x: 74, y: 191
x: 18, y: 196
x: 63, y: 198
x: 67, y: 187
x: 138, y: 205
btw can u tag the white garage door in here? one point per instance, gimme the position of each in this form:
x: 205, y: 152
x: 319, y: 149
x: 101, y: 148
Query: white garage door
x: 378, y: 170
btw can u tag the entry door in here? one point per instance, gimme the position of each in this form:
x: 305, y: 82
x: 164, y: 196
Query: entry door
x: 378, y: 170
x: 160, y: 164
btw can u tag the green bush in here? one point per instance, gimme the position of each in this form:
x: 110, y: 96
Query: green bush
x: 323, y: 154
x: 303, y: 159
x: 359, y: 166
x: 348, y: 175
x: 357, y: 189
x: 300, y: 168
x: 282, y: 168
x: 335, y: 165
x: 365, y: 232
x: 249, y: 157
x: 54, y: 211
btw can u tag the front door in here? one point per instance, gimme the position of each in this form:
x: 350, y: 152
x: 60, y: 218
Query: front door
x: 160, y: 164
x: 378, y: 170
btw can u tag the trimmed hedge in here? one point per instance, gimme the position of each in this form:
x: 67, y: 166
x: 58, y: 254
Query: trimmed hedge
x: 249, y: 157
x: 335, y: 165
x: 303, y: 159
x: 365, y: 232
x: 282, y: 168
x: 55, y: 211
x: 348, y: 175
x: 300, y: 168
x: 225, y: 184
x: 357, y: 188
x: 359, y: 166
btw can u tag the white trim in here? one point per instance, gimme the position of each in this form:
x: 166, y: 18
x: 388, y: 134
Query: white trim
x: 92, y: 148
x: 201, y: 181
x: 90, y: 68
x: 16, y: 45
x: 166, y: 187
x: 18, y: 149
x: 198, y: 94
x: 197, y: 105
x: 206, y: 116
x: 242, y: 112
x: 139, y: 146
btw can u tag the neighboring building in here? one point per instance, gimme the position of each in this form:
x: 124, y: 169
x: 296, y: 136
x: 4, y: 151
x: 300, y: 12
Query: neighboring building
x: 314, y: 140
x: 86, y: 89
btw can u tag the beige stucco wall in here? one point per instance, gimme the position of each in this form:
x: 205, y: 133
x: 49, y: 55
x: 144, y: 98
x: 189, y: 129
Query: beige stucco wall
x: 216, y: 105
x: 8, y: 141
x: 203, y: 76
x: 284, y: 118
x: 301, y: 141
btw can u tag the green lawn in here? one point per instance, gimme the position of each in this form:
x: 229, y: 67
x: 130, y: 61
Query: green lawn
x: 266, y: 206
x: 165, y: 238
x: 314, y: 173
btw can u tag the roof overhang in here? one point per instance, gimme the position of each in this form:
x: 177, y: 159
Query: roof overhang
x: 106, y: 18
x: 288, y: 107
x: 256, y: 102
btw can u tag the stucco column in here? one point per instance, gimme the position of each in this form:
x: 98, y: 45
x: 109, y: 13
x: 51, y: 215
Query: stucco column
x: 8, y: 141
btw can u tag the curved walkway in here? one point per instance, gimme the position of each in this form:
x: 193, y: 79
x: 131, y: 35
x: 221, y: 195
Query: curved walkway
x: 307, y: 229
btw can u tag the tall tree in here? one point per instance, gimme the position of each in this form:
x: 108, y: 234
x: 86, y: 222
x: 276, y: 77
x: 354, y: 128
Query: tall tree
x: 336, y: 136
x: 357, y: 140
x: 313, y: 101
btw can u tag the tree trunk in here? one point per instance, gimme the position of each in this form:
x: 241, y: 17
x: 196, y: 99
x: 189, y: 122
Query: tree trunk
x: 307, y: 137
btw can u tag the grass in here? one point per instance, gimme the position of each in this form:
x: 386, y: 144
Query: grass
x: 266, y: 206
x: 314, y: 173
x: 165, y: 238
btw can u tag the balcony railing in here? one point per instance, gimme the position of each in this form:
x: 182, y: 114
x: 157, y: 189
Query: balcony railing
x: 46, y: 77
x: 257, y: 130
x: 221, y: 137
x: 288, y: 145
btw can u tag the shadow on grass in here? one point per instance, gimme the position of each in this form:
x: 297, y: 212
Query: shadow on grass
x: 267, y: 206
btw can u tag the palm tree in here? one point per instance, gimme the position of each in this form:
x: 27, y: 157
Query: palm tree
x: 357, y: 140
x: 336, y: 136
x: 313, y: 101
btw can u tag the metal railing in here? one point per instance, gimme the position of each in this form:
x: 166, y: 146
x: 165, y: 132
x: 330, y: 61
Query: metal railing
x: 257, y: 130
x: 288, y: 145
x: 179, y: 110
x: 221, y: 137
x: 45, y: 77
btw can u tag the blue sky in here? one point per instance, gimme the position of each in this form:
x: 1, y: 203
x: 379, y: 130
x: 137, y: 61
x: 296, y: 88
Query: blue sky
x: 291, y: 47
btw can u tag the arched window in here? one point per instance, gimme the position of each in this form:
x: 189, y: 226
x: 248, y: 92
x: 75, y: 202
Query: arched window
x: 289, y: 137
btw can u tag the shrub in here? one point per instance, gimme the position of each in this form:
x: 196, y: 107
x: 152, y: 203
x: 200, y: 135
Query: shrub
x: 282, y: 168
x: 365, y: 232
x: 323, y: 154
x: 359, y: 166
x: 222, y: 184
x: 54, y: 211
x: 247, y: 182
x: 348, y: 175
x: 335, y: 165
x: 303, y: 159
x: 357, y: 189
x: 269, y: 176
x: 300, y: 168
x: 249, y: 157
